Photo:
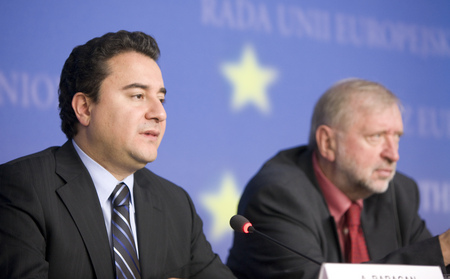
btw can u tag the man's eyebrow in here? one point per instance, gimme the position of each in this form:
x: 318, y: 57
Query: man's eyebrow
x: 135, y: 85
x: 142, y: 86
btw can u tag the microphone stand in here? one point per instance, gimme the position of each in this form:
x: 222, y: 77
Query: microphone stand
x: 253, y: 230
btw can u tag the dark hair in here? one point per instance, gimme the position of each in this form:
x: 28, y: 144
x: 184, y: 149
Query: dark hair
x: 86, y: 68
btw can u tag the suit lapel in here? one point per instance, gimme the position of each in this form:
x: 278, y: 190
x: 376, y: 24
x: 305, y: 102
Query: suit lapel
x: 150, y: 224
x: 329, y: 225
x: 379, y: 224
x: 80, y: 197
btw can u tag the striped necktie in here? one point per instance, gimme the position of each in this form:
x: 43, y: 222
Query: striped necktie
x: 125, y: 256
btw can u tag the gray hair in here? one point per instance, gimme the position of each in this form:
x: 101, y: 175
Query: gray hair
x: 336, y: 106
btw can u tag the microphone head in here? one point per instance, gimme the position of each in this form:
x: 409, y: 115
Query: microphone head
x: 240, y: 224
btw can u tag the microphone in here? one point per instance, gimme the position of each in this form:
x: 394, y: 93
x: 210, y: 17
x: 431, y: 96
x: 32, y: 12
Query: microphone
x: 242, y: 225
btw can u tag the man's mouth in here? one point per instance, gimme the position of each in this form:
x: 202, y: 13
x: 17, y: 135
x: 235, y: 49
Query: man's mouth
x: 151, y: 133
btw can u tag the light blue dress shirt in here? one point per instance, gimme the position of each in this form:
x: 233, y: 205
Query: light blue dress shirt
x: 105, y: 183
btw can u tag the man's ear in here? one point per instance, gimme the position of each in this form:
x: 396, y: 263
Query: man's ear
x: 81, y: 105
x: 326, y: 142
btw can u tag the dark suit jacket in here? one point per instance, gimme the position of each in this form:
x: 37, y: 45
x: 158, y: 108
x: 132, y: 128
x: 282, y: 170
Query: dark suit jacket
x: 284, y: 201
x: 52, y: 226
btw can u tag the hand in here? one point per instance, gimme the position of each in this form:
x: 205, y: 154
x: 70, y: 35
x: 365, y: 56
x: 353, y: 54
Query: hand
x: 444, y: 240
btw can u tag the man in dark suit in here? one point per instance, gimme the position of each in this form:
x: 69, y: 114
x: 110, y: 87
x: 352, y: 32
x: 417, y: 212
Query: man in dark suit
x: 57, y: 219
x: 303, y: 196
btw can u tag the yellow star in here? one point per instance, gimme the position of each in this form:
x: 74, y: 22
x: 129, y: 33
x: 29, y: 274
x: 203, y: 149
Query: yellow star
x: 250, y: 81
x: 222, y: 205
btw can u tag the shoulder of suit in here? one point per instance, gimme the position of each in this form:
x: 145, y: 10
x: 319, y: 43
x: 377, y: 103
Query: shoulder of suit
x: 287, y: 162
x: 403, y: 186
x: 285, y: 170
x: 48, y: 152
x: 403, y: 178
x: 287, y: 157
x: 146, y: 176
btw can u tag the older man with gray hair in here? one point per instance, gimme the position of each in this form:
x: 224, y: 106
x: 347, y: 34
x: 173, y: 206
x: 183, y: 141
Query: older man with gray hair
x: 340, y: 198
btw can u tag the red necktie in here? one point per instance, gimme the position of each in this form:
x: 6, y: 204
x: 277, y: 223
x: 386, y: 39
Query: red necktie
x: 356, y: 250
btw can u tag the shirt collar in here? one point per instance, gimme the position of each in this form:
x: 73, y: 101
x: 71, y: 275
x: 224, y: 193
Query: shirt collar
x: 338, y: 203
x: 104, y: 181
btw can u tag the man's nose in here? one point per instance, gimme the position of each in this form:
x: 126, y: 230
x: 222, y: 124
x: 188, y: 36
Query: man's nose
x: 156, y: 110
x: 390, y: 149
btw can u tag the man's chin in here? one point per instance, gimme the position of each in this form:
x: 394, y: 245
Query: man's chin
x: 142, y: 162
x: 145, y: 157
x: 379, y: 188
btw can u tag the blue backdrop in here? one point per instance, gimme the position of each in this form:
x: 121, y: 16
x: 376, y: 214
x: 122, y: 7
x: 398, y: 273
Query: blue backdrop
x: 242, y: 79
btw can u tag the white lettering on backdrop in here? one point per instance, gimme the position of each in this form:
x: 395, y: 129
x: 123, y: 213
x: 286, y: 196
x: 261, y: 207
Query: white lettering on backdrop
x: 25, y: 90
x: 322, y: 25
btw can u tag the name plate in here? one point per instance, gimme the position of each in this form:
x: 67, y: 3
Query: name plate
x: 378, y: 271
